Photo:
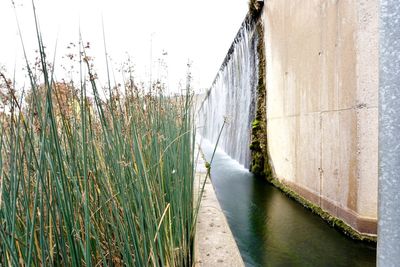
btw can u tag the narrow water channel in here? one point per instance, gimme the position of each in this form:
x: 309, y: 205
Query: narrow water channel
x: 273, y: 230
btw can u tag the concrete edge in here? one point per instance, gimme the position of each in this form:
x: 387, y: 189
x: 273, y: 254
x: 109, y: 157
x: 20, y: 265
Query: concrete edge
x: 333, y: 221
x: 214, y: 244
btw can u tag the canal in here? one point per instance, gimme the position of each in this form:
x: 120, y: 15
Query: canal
x: 273, y: 230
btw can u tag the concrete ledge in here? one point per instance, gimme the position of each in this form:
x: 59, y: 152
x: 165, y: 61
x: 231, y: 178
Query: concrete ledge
x: 335, y: 222
x: 364, y: 226
x: 214, y: 243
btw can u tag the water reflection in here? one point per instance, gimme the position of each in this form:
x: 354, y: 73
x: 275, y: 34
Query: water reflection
x: 272, y: 230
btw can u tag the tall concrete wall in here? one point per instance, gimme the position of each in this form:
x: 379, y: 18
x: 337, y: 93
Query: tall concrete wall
x: 322, y: 103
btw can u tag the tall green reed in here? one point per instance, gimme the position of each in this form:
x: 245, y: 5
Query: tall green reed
x: 94, y: 181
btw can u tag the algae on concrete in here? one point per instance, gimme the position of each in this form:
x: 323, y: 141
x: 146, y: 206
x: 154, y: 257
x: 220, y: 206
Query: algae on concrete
x: 331, y: 220
x: 259, y: 163
x: 255, y: 8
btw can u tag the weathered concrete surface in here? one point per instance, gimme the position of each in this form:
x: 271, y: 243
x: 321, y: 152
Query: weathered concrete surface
x: 322, y: 103
x: 214, y: 242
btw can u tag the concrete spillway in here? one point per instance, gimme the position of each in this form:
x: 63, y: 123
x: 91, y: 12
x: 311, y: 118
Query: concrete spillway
x: 231, y: 97
x: 313, y: 90
x: 318, y: 101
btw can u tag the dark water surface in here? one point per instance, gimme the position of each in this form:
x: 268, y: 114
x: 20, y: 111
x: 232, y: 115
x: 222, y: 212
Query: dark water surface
x: 273, y: 230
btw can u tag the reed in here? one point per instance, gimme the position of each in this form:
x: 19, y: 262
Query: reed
x: 95, y: 181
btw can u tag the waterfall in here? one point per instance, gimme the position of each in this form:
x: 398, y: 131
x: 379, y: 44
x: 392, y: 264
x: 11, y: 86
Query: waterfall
x: 232, y: 97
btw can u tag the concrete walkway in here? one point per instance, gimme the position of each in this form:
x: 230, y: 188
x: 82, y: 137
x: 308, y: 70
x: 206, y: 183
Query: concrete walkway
x: 214, y: 242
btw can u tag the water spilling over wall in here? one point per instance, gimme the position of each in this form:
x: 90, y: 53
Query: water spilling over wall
x: 232, y: 97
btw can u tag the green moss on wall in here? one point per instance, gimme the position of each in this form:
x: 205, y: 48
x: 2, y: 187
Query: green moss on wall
x: 258, y: 144
x: 255, y: 8
x: 255, y: 124
x: 331, y: 220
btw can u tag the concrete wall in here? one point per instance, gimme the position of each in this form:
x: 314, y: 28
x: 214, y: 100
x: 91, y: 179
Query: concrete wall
x: 322, y: 103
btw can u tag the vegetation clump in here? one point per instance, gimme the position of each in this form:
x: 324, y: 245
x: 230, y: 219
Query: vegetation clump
x: 208, y: 165
x: 259, y: 146
x: 255, y: 8
x: 255, y: 124
x: 88, y: 180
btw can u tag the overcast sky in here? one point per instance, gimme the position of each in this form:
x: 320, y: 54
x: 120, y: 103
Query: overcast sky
x: 201, y: 31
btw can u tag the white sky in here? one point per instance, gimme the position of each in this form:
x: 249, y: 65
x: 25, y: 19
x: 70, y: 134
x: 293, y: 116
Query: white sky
x: 199, y: 30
